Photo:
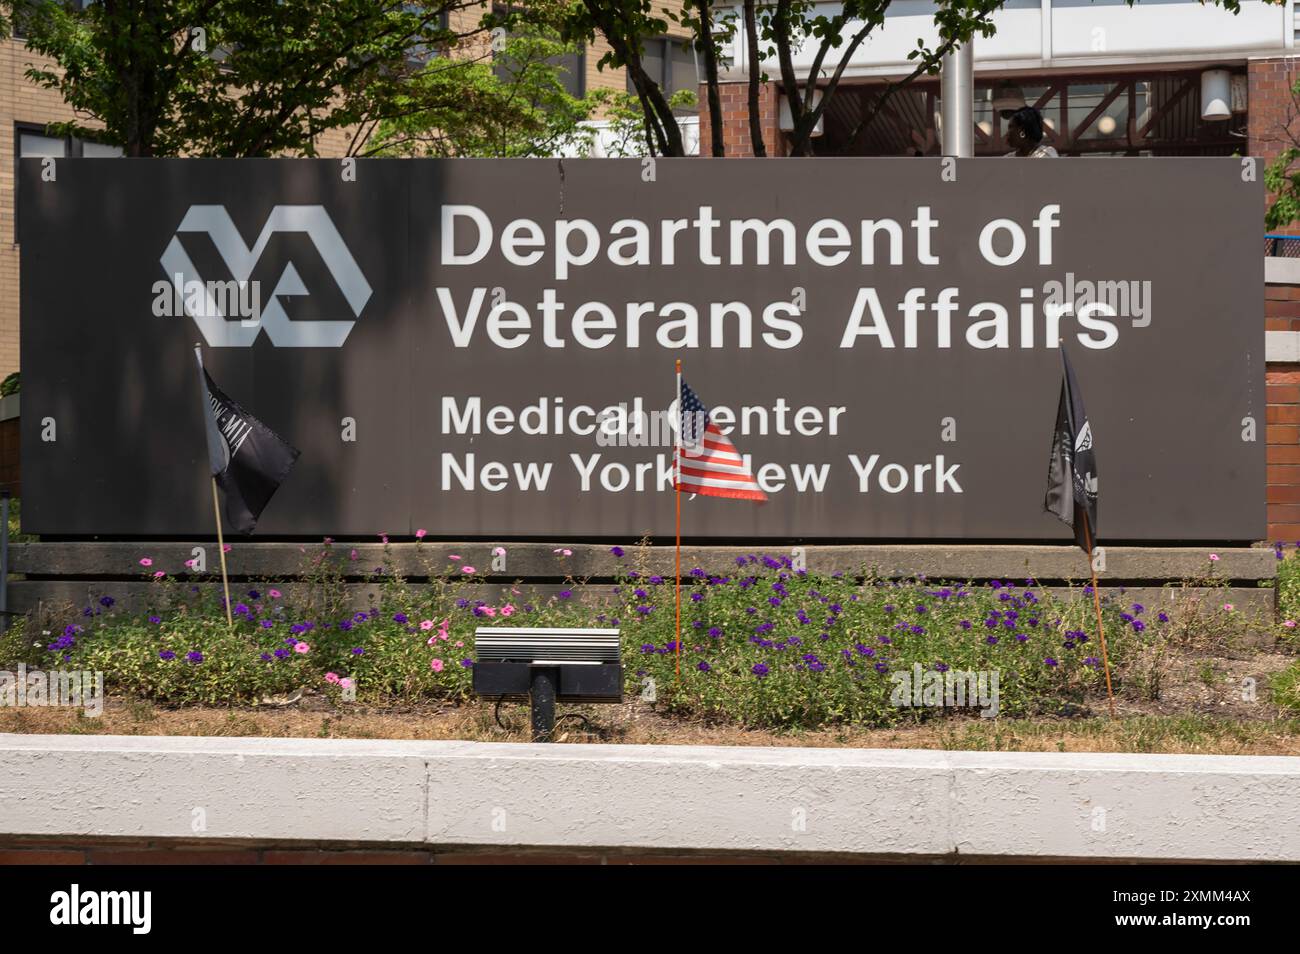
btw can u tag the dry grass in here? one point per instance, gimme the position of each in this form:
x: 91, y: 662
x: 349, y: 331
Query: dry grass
x: 1134, y: 731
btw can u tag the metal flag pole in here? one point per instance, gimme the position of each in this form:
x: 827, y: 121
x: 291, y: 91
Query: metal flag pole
x: 216, y: 505
x: 1096, y: 605
x: 677, y: 493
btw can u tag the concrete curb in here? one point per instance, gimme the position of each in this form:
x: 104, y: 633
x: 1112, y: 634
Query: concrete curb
x: 861, y: 801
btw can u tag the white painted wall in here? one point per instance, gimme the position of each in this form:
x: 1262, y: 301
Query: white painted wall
x: 1060, y: 34
x: 891, y: 801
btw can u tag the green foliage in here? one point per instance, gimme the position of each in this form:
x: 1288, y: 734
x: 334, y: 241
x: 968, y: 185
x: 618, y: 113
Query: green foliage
x: 228, y: 77
x: 514, y: 105
x: 1286, y: 688
x: 12, y: 384
x: 827, y: 648
x: 1288, y: 587
x: 1283, y: 182
x: 830, y: 645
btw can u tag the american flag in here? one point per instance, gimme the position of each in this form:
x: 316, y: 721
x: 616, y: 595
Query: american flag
x: 708, y: 463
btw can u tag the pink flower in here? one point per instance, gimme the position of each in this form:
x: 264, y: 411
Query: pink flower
x: 498, y: 551
x: 1229, y: 607
x: 158, y: 574
x: 563, y: 552
x: 419, y: 534
x: 508, y: 610
x: 435, y: 665
x: 467, y: 569
x: 453, y: 556
x: 145, y: 561
x: 1289, y: 624
x: 332, y: 678
x: 426, y: 624
x: 274, y: 594
x: 226, y: 548
x: 346, y: 683
x: 301, y: 648
x: 353, y: 555
x: 487, y: 610
x: 190, y: 563
x: 442, y: 634
x: 383, y: 538
x: 459, y: 643
x: 432, y: 639
x: 1214, y: 558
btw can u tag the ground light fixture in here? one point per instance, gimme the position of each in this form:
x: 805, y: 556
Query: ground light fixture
x: 546, y: 665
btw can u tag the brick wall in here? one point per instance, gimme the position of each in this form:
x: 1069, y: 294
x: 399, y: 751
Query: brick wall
x: 735, y: 120
x: 1272, y: 111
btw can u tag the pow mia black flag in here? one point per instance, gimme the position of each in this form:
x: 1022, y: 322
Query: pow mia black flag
x: 1072, y: 468
x: 248, y: 460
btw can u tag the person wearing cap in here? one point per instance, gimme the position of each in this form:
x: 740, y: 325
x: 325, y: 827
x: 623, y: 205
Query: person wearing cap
x: 1025, y: 135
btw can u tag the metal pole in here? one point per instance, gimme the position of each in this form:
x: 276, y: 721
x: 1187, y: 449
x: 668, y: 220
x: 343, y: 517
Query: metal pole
x: 542, y: 693
x: 4, y: 560
x: 957, y: 101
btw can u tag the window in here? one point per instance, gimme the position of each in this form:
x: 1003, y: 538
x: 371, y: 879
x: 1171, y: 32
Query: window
x: 670, y: 62
x: 33, y: 142
x: 20, y: 15
x: 572, y: 66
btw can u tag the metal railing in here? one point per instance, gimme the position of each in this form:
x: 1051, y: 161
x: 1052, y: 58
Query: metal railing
x: 1282, y: 246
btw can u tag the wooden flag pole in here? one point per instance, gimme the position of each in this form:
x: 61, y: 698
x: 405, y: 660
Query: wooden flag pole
x: 677, y: 485
x: 221, y: 548
x: 1096, y: 605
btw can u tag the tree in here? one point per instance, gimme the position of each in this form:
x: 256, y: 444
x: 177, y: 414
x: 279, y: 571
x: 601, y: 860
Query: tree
x: 1280, y: 177
x: 776, y: 31
x: 512, y: 104
x: 229, y: 77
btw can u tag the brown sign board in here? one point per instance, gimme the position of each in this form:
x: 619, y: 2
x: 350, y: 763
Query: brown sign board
x: 466, y: 346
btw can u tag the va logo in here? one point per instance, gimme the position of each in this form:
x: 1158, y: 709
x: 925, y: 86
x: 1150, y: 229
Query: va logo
x: 222, y: 332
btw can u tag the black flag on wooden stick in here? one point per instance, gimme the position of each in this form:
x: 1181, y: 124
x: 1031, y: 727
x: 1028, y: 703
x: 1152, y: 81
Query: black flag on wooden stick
x: 1072, y: 468
x: 248, y: 460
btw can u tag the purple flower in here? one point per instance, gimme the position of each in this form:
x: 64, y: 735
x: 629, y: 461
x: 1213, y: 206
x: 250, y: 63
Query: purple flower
x: 617, y: 551
x: 645, y: 610
x: 357, y: 651
x: 155, y: 620
x: 106, y: 601
x: 400, y: 618
x: 702, y: 666
x: 760, y: 670
x: 1049, y: 661
x: 194, y: 656
x: 266, y: 657
x: 991, y: 640
x: 715, y: 632
x: 566, y: 594
x: 282, y: 654
x: 268, y: 623
x: 467, y: 663
x: 647, y: 648
x: 166, y: 654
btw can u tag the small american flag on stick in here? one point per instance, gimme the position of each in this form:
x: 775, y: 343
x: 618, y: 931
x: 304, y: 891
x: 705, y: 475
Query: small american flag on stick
x: 707, y: 462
